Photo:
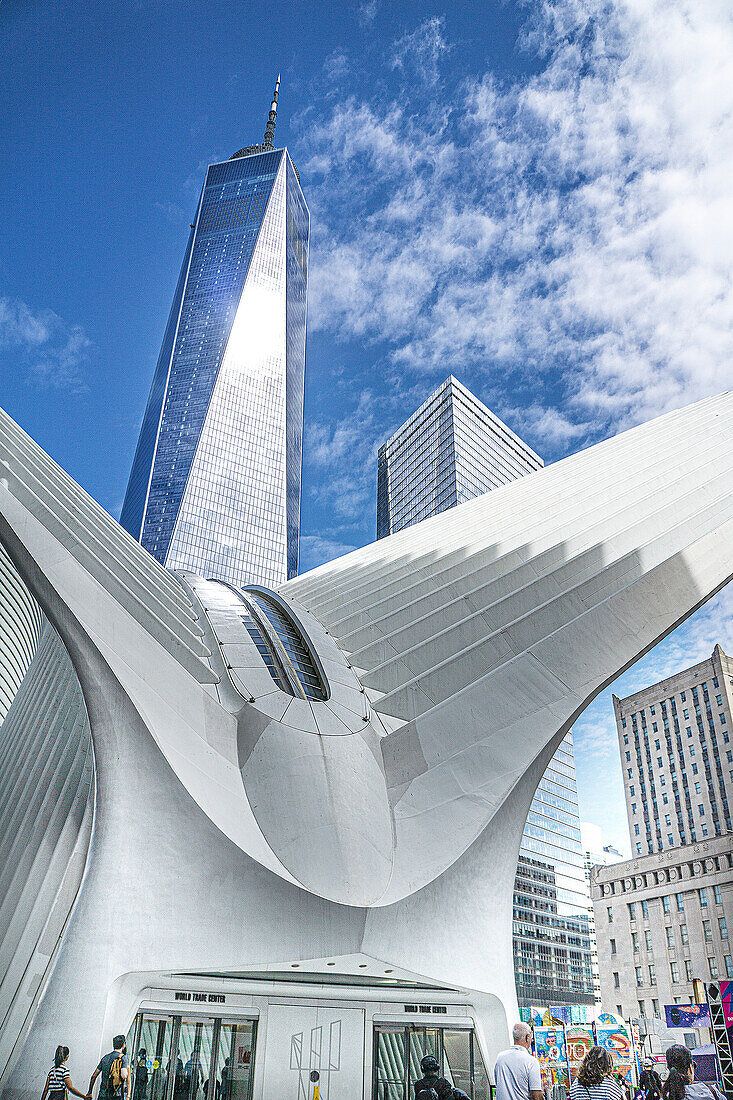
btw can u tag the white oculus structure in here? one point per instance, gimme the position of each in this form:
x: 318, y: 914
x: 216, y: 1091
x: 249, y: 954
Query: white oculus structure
x: 301, y: 810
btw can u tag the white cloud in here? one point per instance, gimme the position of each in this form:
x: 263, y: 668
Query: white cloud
x: 422, y: 49
x: 317, y: 549
x: 367, y: 12
x: 52, y: 352
x: 570, y: 233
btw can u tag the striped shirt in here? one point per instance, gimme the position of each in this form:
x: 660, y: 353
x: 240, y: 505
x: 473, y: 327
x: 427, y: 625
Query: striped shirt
x: 57, y: 1079
x: 607, y: 1090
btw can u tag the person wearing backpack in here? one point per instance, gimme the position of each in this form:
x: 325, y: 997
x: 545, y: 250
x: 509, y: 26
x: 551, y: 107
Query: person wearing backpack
x: 114, y: 1069
x: 58, y: 1080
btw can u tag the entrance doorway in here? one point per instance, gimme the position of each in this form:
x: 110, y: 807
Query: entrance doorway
x: 398, y: 1050
x: 182, y: 1058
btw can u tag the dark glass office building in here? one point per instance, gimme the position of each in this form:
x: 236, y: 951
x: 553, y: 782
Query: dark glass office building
x: 215, y: 482
x: 450, y: 450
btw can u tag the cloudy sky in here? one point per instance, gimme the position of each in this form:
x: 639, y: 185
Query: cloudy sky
x: 532, y: 196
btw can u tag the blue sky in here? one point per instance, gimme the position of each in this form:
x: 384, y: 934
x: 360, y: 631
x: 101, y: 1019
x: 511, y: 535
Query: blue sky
x: 534, y: 197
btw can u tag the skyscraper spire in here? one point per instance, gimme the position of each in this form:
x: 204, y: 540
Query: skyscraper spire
x: 272, y: 118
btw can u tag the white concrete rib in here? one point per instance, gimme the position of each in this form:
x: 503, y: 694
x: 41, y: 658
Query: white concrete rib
x: 143, y: 587
x: 20, y: 627
x: 46, y: 786
x: 438, y: 599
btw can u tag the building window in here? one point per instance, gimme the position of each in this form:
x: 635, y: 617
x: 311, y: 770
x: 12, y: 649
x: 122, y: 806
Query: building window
x: 648, y: 939
x: 666, y: 907
x: 632, y: 911
x: 642, y: 1009
x: 639, y: 978
x: 667, y: 820
x: 684, y: 934
x: 630, y: 773
x: 609, y: 910
x: 688, y: 970
x: 645, y: 910
x: 613, y: 946
x: 694, y: 769
x: 680, y: 903
x: 674, y: 971
x: 636, y: 830
x: 717, y: 895
x: 723, y: 928
x: 652, y: 974
x: 707, y: 931
x: 628, y: 756
x: 701, y: 810
x: 638, y: 848
x: 703, y: 895
x: 634, y: 942
x: 697, y: 789
x: 623, y: 722
x: 670, y: 938
x: 655, y: 1008
x: 704, y: 829
x: 713, y: 965
x: 683, y: 696
x: 616, y: 982
x: 631, y: 791
x: 670, y: 840
x: 619, y: 1010
x: 728, y: 961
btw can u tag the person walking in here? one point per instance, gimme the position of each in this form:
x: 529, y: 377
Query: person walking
x: 58, y: 1081
x: 595, y: 1078
x: 650, y: 1083
x: 681, y: 1083
x: 517, y: 1072
x: 431, y: 1079
x: 114, y: 1070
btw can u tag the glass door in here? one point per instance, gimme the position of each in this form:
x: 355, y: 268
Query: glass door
x: 389, y: 1064
x: 149, y: 1053
x: 195, y: 1045
x: 398, y: 1051
x: 232, y: 1074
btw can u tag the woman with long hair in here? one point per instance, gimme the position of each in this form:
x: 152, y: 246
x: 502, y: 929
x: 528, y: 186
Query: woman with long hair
x: 595, y: 1080
x: 681, y: 1083
x: 58, y: 1080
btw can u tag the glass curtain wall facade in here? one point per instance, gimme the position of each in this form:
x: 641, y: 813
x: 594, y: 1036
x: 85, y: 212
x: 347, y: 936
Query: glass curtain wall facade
x: 215, y: 482
x: 451, y: 450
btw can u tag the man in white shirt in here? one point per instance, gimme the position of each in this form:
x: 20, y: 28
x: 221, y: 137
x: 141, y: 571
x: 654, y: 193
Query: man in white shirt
x: 517, y: 1072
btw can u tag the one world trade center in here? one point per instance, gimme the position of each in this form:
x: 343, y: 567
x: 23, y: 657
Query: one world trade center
x: 215, y: 482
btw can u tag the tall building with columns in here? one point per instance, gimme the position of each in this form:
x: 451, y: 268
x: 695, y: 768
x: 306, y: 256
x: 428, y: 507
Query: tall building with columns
x: 677, y: 757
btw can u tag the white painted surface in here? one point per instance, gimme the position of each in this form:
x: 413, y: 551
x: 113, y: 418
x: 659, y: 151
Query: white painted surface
x: 301, y: 1038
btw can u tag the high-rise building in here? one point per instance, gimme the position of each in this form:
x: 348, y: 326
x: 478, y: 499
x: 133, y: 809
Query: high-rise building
x: 677, y: 757
x: 595, y: 854
x: 215, y: 482
x: 661, y: 925
x: 450, y: 450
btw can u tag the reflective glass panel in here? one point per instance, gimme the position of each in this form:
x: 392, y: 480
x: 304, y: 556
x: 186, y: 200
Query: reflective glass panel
x: 390, y: 1065
x: 234, y: 1062
x: 194, y: 1058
